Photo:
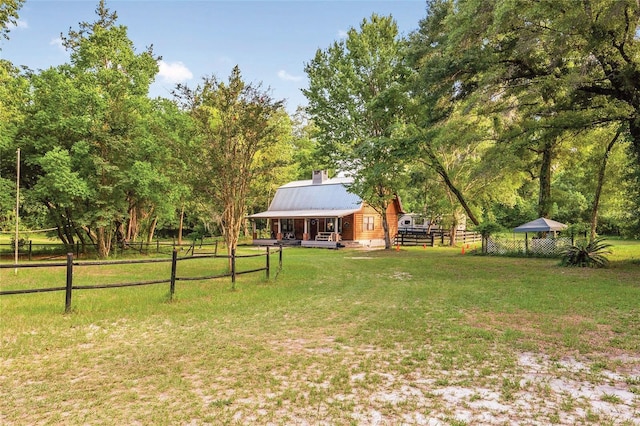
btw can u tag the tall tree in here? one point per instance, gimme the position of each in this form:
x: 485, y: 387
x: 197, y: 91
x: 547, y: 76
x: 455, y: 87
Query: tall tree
x: 356, y: 101
x: 543, y: 69
x: 91, y: 116
x: 13, y: 94
x: 234, y: 122
x: 172, y: 130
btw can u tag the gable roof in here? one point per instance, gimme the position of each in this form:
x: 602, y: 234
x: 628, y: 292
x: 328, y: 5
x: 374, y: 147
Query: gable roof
x: 540, y: 225
x: 303, y: 198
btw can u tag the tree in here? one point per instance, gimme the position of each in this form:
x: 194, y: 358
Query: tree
x: 13, y: 94
x: 234, y: 121
x: 13, y: 89
x: 172, y: 130
x: 9, y: 15
x: 543, y: 71
x: 90, y: 117
x: 356, y: 101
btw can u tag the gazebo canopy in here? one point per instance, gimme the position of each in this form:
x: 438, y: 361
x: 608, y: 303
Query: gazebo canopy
x: 541, y: 225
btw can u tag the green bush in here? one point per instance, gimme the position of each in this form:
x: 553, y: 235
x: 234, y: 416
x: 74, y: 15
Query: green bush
x: 587, y: 253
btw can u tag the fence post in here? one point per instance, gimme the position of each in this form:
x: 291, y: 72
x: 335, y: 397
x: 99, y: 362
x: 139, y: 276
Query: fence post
x: 280, y: 258
x: 268, y: 263
x: 233, y: 268
x: 215, y: 250
x: 174, y: 266
x: 30, y: 249
x: 67, y: 299
x: 158, y: 246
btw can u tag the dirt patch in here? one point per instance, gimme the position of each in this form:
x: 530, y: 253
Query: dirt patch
x: 548, y: 333
x: 537, y: 390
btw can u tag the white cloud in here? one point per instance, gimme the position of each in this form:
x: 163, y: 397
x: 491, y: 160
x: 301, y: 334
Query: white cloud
x: 18, y: 24
x: 174, y: 72
x: 342, y: 34
x: 283, y: 75
x: 58, y: 43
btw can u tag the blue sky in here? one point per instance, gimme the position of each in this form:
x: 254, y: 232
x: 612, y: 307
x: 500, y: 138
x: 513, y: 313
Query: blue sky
x: 270, y: 40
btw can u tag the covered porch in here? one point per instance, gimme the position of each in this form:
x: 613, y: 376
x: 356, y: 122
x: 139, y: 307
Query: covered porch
x: 329, y: 229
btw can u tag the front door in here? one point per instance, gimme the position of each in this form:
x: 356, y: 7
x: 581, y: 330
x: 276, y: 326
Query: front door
x: 314, y: 226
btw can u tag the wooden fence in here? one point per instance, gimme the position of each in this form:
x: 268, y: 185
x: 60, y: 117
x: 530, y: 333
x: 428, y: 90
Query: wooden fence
x: 29, y: 249
x: 71, y: 263
x: 420, y: 237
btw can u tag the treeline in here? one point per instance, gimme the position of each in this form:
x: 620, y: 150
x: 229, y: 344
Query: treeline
x: 493, y: 111
x: 103, y: 163
x: 501, y: 111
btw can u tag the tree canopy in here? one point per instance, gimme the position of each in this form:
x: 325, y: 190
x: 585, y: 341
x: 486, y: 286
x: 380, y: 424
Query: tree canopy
x: 356, y: 99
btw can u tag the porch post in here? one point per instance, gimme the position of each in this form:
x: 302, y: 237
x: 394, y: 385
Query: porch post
x: 305, y: 235
x: 253, y: 229
x: 279, y: 234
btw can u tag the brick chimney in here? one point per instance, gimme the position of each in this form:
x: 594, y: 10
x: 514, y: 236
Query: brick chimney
x: 319, y: 176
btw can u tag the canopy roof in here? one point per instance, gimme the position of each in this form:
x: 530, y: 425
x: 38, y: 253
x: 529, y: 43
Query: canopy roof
x: 541, y: 225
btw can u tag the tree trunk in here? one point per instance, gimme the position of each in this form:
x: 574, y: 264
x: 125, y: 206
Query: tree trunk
x: 385, y: 227
x: 103, y: 241
x: 634, y: 130
x: 452, y: 230
x: 544, y: 197
x: 600, y: 183
x: 445, y: 176
x: 82, y: 236
x: 133, y: 225
x: 181, y: 225
x: 152, y: 229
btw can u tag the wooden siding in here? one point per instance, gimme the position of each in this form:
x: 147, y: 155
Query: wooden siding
x: 378, y: 232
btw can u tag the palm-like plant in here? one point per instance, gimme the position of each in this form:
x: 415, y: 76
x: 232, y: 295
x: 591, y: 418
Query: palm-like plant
x: 587, y: 253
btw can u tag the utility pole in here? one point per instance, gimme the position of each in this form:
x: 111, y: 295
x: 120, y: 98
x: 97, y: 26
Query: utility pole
x: 15, y: 271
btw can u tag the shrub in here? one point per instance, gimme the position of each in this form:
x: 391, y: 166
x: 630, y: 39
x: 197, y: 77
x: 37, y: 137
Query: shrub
x: 587, y: 253
x: 486, y: 229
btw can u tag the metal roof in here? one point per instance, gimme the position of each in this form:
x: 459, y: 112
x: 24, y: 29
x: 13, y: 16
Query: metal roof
x: 304, y: 199
x: 541, y: 225
x: 280, y: 214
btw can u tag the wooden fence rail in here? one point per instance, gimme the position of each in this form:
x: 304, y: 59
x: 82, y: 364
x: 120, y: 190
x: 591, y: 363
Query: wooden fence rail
x: 28, y: 249
x: 70, y: 263
x: 420, y: 237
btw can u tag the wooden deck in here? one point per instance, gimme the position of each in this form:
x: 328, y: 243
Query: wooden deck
x: 310, y: 243
x: 321, y: 244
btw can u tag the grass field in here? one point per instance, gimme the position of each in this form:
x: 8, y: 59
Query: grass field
x: 416, y: 336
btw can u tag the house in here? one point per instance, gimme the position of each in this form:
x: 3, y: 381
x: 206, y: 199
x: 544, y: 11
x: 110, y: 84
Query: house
x: 321, y: 212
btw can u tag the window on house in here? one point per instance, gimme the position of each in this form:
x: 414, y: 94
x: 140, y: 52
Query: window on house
x: 329, y: 224
x: 368, y: 223
x: 286, y: 225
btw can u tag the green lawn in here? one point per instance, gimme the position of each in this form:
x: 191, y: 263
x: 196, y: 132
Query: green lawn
x: 416, y: 336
